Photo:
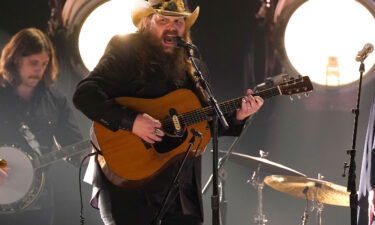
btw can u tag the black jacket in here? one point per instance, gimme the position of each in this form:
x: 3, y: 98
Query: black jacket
x: 47, y: 114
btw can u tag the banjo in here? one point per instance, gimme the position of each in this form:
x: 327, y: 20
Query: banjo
x: 26, y: 177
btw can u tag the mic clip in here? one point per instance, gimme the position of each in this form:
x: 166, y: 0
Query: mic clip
x: 179, y: 42
x: 366, y: 50
x: 196, y: 133
x: 182, y: 43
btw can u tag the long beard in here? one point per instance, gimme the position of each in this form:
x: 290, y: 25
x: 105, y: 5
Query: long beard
x: 173, y: 64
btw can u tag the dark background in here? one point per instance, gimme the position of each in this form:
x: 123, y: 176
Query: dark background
x: 310, y: 135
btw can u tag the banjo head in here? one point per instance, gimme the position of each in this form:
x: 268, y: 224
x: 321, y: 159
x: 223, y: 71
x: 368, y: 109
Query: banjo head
x: 23, y: 184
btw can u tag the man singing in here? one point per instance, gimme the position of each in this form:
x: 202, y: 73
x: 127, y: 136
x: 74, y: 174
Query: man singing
x: 147, y: 64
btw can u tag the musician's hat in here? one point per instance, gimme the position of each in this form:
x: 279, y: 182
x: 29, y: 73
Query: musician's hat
x: 164, y: 7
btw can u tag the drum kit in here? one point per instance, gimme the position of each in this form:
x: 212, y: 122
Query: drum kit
x: 292, y: 182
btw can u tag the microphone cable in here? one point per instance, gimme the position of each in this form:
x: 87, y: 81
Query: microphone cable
x: 96, y: 153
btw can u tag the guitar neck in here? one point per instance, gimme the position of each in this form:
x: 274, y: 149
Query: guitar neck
x: 231, y: 105
x: 203, y: 114
x: 54, y: 156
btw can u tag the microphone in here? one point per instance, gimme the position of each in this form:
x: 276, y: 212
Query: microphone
x: 179, y: 42
x: 366, y: 50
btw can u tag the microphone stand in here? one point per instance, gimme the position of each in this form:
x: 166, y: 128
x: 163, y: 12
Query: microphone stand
x: 222, y: 173
x: 225, y: 158
x: 351, y: 187
x: 175, y: 183
x: 217, y: 115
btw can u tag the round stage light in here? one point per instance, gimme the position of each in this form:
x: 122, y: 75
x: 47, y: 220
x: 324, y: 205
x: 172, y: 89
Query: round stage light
x: 101, y: 25
x: 321, y: 38
x: 91, y: 24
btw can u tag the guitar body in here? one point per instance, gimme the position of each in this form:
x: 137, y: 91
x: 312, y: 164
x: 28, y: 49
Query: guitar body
x: 129, y: 161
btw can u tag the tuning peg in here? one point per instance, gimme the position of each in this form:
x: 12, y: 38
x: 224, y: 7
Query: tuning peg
x: 291, y: 98
x: 307, y: 95
x: 263, y: 154
x: 298, y: 96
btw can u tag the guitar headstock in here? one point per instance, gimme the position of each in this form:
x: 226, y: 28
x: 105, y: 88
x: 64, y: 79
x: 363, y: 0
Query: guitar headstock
x: 296, y: 86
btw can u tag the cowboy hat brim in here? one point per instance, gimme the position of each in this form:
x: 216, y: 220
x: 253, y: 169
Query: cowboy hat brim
x: 144, y: 10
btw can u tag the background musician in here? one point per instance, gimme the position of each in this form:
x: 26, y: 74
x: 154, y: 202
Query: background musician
x: 30, y: 103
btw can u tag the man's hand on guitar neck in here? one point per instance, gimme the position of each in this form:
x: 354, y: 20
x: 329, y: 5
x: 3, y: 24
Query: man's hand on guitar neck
x: 250, y: 105
x: 147, y: 128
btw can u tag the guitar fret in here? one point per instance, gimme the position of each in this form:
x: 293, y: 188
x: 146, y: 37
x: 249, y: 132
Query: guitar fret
x: 199, y: 115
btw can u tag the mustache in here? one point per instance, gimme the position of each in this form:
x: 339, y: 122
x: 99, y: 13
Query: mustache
x: 34, y: 77
x: 170, y: 32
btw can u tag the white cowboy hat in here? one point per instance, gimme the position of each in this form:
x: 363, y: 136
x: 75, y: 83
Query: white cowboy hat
x: 163, y: 7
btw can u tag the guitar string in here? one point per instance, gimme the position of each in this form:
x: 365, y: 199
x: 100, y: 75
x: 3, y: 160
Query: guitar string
x: 194, y: 116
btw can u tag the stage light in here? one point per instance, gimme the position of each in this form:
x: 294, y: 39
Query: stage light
x: 321, y: 38
x: 90, y: 26
x: 108, y: 19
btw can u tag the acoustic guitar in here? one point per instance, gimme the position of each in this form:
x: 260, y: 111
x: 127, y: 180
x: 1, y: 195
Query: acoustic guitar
x: 128, y: 161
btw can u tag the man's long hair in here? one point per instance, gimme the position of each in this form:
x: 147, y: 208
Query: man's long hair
x: 27, y: 42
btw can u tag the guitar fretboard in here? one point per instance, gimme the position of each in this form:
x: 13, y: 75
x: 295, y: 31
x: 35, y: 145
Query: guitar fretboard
x: 202, y: 114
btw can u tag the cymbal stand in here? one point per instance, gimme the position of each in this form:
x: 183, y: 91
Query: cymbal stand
x: 319, y: 210
x: 258, y: 184
x: 305, y: 217
x: 222, y: 199
x: 318, y: 205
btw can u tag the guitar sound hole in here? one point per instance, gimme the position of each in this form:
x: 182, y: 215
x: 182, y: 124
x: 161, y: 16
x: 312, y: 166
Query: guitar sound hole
x: 169, y: 143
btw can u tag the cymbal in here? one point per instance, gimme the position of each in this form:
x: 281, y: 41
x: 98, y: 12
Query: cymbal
x: 312, y: 189
x: 266, y: 166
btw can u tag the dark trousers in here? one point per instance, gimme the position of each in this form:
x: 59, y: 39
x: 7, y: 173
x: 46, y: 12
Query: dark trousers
x: 130, y: 207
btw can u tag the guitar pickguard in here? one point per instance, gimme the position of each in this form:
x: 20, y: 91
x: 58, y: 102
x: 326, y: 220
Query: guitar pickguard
x: 169, y: 143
